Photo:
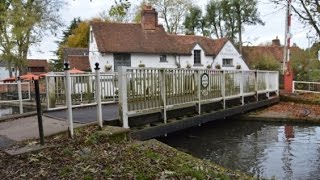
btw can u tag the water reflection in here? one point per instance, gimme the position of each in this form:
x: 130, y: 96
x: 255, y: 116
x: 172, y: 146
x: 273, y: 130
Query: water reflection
x: 284, y: 151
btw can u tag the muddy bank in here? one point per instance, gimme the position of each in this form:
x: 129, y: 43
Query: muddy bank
x: 292, y: 108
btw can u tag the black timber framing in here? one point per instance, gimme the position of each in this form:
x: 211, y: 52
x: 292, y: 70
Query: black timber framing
x: 185, y: 123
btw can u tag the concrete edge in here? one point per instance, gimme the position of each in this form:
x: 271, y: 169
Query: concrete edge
x: 278, y: 119
x: 17, y: 116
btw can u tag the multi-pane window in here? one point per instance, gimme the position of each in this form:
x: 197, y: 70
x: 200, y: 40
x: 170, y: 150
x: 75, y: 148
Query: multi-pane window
x: 121, y: 59
x: 227, y: 62
x: 163, y: 58
x: 197, y: 56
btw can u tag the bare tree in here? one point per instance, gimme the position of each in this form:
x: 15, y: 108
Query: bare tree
x: 172, y: 11
x: 307, y: 10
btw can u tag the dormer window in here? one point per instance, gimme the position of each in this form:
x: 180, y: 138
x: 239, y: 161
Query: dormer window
x: 197, y: 57
x: 227, y: 62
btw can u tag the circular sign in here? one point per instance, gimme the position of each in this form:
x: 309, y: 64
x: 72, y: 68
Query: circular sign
x: 204, y: 80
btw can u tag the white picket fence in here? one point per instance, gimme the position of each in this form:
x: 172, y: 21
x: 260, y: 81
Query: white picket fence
x: 15, y: 92
x: 306, y: 87
x: 149, y: 90
x: 83, y: 89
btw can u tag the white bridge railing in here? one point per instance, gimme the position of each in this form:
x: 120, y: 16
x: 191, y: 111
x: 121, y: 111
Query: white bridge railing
x: 83, y: 89
x: 148, y: 90
x: 10, y: 92
x: 303, y: 86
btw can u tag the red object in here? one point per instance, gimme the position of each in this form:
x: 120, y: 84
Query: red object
x: 29, y: 77
x: 10, y: 79
x: 289, y: 132
x: 76, y: 71
x: 288, y: 79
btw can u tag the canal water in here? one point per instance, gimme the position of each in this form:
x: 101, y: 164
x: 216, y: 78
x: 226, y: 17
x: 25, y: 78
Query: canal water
x: 262, y: 149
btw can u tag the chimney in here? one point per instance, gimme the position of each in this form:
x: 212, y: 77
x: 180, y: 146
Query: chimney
x: 276, y: 42
x: 149, y: 18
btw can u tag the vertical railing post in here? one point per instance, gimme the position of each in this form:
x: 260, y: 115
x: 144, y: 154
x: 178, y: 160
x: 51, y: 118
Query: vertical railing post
x: 68, y: 98
x: 198, y: 75
x: 123, y: 99
x: 223, y: 89
x: 293, y: 86
x: 47, y: 92
x: 256, y: 85
x: 163, y: 94
x: 29, y: 91
x: 98, y: 96
x: 277, y: 83
x: 20, y: 95
x: 241, y: 87
x: 267, y: 84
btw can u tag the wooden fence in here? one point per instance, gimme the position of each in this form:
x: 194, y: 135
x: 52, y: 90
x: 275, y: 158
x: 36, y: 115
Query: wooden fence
x: 307, y: 87
x: 82, y: 89
x: 150, y: 90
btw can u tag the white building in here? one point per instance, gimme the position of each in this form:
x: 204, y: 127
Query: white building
x: 147, y: 44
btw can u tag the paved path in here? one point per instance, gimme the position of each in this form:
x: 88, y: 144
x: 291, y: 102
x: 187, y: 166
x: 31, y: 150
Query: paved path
x: 53, y: 122
x: 27, y: 128
x: 87, y: 114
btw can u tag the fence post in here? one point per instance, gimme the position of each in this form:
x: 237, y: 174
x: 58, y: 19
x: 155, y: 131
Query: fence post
x: 293, y: 86
x: 68, y: 98
x: 29, y: 91
x: 98, y: 96
x: 267, y: 84
x: 39, y: 111
x: 256, y: 85
x: 47, y: 92
x: 123, y: 99
x: 223, y: 89
x: 163, y: 94
x: 241, y: 87
x: 20, y: 95
x: 199, y: 90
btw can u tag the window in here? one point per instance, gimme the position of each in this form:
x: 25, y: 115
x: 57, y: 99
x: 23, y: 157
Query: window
x: 197, y: 56
x: 227, y: 62
x: 121, y: 59
x: 163, y: 58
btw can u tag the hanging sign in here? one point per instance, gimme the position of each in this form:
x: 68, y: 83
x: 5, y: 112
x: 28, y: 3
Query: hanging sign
x: 204, y: 80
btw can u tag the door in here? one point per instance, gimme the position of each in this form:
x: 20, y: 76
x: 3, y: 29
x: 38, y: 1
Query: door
x: 122, y: 59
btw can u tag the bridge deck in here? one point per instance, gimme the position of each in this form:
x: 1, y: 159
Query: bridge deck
x: 88, y: 114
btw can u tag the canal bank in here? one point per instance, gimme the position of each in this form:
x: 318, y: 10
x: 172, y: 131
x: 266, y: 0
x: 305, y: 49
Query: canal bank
x: 96, y: 154
x: 299, y: 108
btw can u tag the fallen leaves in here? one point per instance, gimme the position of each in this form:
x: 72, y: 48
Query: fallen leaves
x: 91, y: 156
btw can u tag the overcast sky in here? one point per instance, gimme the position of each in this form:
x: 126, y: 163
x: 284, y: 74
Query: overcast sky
x: 274, y: 18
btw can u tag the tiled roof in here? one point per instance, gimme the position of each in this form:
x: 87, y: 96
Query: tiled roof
x: 210, y: 46
x: 79, y: 62
x: 132, y: 38
x: 75, y: 51
x: 37, y: 63
x: 272, y: 51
